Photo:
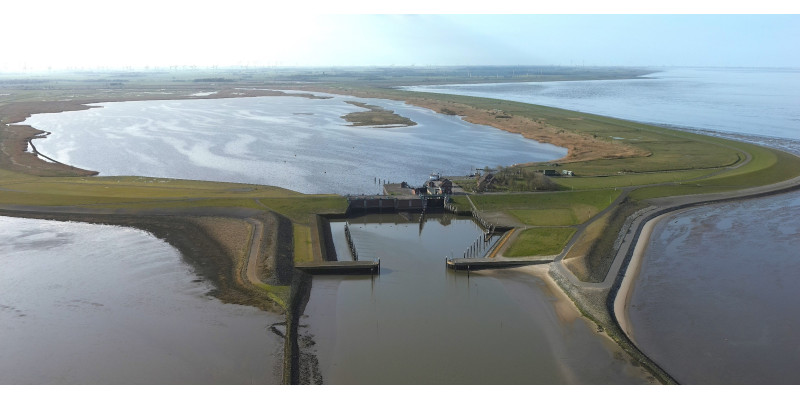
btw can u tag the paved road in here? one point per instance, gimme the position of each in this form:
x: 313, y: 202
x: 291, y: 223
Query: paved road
x: 251, y: 261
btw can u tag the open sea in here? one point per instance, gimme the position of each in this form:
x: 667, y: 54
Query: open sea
x: 749, y: 101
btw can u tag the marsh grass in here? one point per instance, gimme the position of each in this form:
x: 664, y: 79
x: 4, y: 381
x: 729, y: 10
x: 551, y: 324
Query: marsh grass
x: 630, y: 179
x: 539, y: 242
x: 566, y: 208
x: 299, y: 208
x: 302, y: 244
x: 376, y: 116
x: 547, y: 217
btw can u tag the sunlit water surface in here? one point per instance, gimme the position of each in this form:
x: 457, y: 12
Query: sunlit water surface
x: 292, y: 142
x: 418, y: 322
x: 96, y: 304
x: 750, y: 101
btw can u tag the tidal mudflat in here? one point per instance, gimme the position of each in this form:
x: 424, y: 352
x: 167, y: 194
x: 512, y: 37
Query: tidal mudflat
x: 715, y: 301
x: 420, y: 323
x: 296, y: 143
x: 96, y: 304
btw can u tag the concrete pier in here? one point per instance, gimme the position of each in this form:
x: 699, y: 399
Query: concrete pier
x: 476, y: 264
x: 342, y: 267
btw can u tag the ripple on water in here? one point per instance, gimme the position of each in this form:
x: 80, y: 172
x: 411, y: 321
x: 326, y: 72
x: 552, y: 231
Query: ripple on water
x: 715, y: 301
x: 84, y: 309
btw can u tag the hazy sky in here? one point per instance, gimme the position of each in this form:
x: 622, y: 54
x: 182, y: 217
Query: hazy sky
x: 41, y: 34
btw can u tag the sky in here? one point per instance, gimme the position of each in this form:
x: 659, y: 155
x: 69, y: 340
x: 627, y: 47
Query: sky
x: 54, y: 34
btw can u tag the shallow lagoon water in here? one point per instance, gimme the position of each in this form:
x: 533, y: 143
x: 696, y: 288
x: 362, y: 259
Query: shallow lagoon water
x: 420, y: 323
x: 96, y: 304
x: 292, y: 142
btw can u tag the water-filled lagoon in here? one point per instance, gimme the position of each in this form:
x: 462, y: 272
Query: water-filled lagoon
x: 292, y: 142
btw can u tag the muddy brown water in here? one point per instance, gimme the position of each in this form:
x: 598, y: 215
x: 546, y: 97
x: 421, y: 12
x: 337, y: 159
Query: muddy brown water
x: 716, y: 300
x: 420, y: 323
x: 78, y: 307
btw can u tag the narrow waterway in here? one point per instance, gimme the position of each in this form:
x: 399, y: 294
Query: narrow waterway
x: 418, y: 322
x: 98, y: 304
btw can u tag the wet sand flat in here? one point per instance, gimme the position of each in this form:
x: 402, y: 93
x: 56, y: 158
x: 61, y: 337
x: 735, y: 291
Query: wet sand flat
x: 715, y: 300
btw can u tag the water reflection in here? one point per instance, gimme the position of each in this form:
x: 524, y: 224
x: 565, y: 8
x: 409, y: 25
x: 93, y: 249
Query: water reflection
x: 295, y: 143
x: 78, y: 308
x: 418, y: 322
x: 716, y: 300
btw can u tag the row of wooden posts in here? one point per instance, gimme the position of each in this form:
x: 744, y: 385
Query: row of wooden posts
x: 353, y: 251
x: 490, y: 228
x: 479, y: 246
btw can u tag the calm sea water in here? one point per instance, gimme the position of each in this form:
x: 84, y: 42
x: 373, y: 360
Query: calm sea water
x: 731, y: 100
x: 292, y: 142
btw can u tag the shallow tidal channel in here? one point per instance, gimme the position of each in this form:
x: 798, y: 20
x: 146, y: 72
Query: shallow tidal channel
x: 418, y: 322
x: 97, y: 304
x: 715, y: 301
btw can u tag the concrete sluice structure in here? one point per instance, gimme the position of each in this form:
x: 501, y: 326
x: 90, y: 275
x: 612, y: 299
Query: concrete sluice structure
x: 394, y: 204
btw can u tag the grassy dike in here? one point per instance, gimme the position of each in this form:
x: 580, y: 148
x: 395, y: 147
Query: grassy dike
x: 620, y: 167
